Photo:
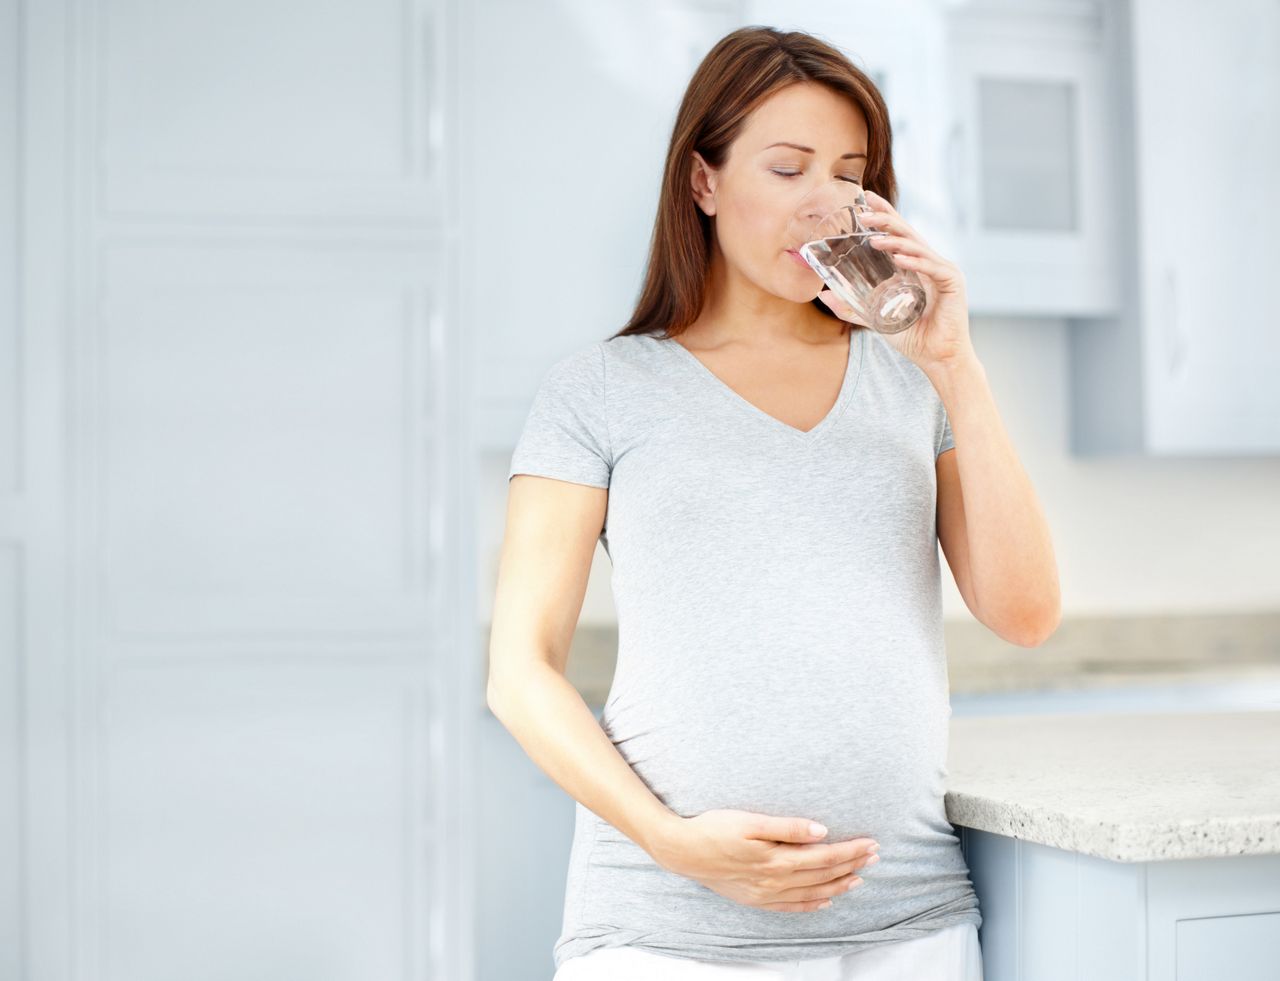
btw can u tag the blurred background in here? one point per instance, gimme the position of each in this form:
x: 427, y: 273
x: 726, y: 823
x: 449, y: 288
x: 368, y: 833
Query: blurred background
x: 278, y: 282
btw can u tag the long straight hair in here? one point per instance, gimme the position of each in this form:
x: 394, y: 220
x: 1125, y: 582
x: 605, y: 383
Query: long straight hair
x: 744, y: 68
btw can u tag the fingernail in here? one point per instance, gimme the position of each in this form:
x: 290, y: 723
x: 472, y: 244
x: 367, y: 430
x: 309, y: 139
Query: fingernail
x: 873, y: 859
x: 874, y: 848
x: 825, y: 905
x: 817, y: 830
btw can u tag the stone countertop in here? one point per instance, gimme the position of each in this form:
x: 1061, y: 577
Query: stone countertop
x: 1125, y: 787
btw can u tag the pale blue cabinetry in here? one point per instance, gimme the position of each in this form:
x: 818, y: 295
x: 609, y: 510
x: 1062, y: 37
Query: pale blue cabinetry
x: 1122, y: 846
x: 1056, y: 915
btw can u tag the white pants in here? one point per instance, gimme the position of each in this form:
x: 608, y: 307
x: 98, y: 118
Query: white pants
x: 949, y: 954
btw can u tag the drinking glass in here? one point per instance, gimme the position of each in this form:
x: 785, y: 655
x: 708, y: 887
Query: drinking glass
x: 826, y: 232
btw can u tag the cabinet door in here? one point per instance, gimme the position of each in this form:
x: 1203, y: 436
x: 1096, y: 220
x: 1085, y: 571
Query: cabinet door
x: 1027, y: 163
x: 1212, y: 918
x: 1243, y: 948
x: 1207, y: 145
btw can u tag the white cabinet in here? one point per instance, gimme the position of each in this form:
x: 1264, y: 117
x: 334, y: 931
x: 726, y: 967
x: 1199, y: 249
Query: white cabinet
x: 1207, y: 145
x: 1187, y: 367
x: 1026, y: 159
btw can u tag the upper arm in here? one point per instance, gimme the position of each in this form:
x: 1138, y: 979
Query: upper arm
x: 547, y: 550
x: 558, y: 493
x: 952, y: 533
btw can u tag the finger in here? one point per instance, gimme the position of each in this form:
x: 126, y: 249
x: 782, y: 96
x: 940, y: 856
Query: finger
x: 822, y: 856
x: 894, y: 245
x: 813, y: 877
x: 837, y: 305
x: 787, y: 829
x: 881, y: 221
x: 942, y: 274
x: 898, y: 244
x: 803, y: 894
x: 921, y: 256
x: 877, y: 201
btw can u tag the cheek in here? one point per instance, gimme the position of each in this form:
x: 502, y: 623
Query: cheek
x: 757, y: 224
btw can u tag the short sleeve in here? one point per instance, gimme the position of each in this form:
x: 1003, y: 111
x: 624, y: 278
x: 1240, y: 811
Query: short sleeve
x: 566, y: 434
x: 947, y: 441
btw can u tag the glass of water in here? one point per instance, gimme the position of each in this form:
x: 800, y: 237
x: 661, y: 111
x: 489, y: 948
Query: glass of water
x: 826, y: 232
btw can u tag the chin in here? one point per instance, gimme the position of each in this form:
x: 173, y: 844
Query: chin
x: 805, y: 294
x: 800, y: 284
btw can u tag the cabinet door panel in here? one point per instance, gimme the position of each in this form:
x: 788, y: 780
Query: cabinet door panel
x: 1036, y: 229
x: 1207, y: 144
x: 1243, y: 948
x: 1027, y: 148
x: 1213, y: 918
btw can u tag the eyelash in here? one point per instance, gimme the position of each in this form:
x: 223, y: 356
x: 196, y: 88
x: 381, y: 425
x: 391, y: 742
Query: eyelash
x: 794, y: 173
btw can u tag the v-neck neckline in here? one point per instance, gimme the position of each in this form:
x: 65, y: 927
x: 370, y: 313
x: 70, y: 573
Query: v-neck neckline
x: 847, y: 386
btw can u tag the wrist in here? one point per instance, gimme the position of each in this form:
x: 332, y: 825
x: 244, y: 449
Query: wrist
x: 955, y: 372
x: 662, y: 834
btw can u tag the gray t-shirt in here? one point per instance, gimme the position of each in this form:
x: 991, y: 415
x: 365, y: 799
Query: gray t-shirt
x: 780, y: 645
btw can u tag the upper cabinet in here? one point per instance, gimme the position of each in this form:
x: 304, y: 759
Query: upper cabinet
x: 1026, y: 162
x: 1187, y: 366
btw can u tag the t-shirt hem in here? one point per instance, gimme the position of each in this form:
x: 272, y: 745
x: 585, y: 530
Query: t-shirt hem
x: 573, y: 477
x: 737, y: 951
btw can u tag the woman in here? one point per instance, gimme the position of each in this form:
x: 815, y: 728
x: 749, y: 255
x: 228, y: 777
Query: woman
x: 771, y: 483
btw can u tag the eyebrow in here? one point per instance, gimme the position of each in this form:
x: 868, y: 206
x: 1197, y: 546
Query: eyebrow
x: 809, y: 149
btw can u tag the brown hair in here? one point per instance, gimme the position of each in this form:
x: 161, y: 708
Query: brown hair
x: 745, y: 66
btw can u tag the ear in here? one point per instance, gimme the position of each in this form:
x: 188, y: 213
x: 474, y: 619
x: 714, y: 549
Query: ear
x: 703, y: 180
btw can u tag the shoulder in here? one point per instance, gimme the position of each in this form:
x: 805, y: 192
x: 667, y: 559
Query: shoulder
x: 582, y: 364
x: 597, y: 358
x: 637, y: 351
x: 614, y: 369
x: 566, y: 433
x: 574, y: 380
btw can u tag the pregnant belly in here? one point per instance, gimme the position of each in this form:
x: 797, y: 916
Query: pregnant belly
x: 876, y: 770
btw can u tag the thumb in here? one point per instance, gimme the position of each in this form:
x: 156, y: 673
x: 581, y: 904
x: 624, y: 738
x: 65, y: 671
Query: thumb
x: 788, y: 829
x: 836, y: 305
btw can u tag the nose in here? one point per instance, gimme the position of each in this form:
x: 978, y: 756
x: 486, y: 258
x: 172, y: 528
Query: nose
x: 815, y: 214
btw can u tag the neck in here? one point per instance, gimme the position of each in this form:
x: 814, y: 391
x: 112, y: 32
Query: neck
x: 736, y: 311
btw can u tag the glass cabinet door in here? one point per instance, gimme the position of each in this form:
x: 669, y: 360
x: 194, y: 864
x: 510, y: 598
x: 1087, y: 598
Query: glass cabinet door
x: 1028, y: 166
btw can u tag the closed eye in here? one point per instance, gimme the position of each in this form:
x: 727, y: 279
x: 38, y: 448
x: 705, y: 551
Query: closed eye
x: 793, y: 173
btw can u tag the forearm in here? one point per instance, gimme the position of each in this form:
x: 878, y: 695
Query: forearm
x: 1012, y: 567
x: 553, y: 724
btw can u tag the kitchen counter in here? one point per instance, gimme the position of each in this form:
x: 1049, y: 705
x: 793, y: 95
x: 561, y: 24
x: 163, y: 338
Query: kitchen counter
x: 1129, y: 788
x: 1109, y: 847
